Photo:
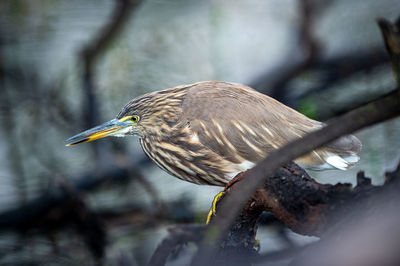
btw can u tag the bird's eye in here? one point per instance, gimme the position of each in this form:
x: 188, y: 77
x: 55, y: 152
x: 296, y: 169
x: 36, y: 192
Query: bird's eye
x: 135, y: 118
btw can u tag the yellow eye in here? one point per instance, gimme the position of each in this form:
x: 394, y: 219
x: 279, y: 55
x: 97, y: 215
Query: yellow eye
x: 135, y: 118
x: 131, y: 118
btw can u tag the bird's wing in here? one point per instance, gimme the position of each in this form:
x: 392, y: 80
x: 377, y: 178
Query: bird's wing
x: 240, y: 123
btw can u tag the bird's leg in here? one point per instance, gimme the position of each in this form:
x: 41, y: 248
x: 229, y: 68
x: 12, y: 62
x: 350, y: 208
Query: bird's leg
x: 237, y: 178
x: 213, y: 211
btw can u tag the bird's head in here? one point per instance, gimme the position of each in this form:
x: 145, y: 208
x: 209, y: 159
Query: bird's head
x: 149, y: 114
x: 119, y: 127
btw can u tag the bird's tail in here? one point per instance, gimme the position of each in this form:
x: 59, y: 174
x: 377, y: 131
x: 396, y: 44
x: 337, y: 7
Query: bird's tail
x: 341, y: 162
x: 339, y: 154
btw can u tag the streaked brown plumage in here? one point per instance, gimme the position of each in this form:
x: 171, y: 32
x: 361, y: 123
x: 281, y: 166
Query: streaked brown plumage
x: 207, y: 132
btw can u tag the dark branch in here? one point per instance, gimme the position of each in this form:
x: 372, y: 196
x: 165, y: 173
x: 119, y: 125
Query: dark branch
x: 109, y: 32
x: 91, y: 53
x: 301, y: 203
x: 332, y: 70
x: 366, y: 233
x: 306, y: 50
x: 177, y: 236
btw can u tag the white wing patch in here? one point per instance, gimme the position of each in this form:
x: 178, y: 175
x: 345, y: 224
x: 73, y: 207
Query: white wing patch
x: 342, y: 162
x: 337, y: 162
x: 351, y: 158
x: 334, y: 161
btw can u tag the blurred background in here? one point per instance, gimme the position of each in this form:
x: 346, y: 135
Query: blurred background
x: 104, y: 202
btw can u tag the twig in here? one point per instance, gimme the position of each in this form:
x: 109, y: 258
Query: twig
x: 93, y: 50
x: 335, y: 70
x: 109, y: 32
x: 391, y: 36
x: 178, y: 235
x: 96, y: 47
x: 302, y: 56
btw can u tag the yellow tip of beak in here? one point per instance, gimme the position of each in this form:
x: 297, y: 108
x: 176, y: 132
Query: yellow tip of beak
x: 78, y: 142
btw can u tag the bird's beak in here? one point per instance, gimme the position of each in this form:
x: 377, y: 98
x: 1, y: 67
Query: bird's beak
x: 113, y: 127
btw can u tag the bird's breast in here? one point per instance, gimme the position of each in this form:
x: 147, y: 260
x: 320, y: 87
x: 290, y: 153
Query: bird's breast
x: 185, y: 157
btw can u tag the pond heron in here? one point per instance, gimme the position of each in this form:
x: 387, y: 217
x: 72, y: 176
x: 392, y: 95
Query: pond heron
x: 208, y: 132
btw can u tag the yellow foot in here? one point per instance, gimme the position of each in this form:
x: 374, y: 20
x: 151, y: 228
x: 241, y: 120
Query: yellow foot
x: 213, y: 211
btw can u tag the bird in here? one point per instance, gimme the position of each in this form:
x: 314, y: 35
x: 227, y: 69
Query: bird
x: 208, y: 132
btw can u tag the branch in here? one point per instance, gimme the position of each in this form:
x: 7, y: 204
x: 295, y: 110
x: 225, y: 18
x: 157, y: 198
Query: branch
x: 109, y: 32
x: 22, y: 218
x: 93, y: 50
x: 332, y: 70
x: 367, y: 234
x: 306, y: 50
x: 377, y: 111
x: 177, y: 236
x: 302, y: 204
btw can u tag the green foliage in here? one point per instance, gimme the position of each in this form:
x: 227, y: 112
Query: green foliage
x: 309, y: 108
